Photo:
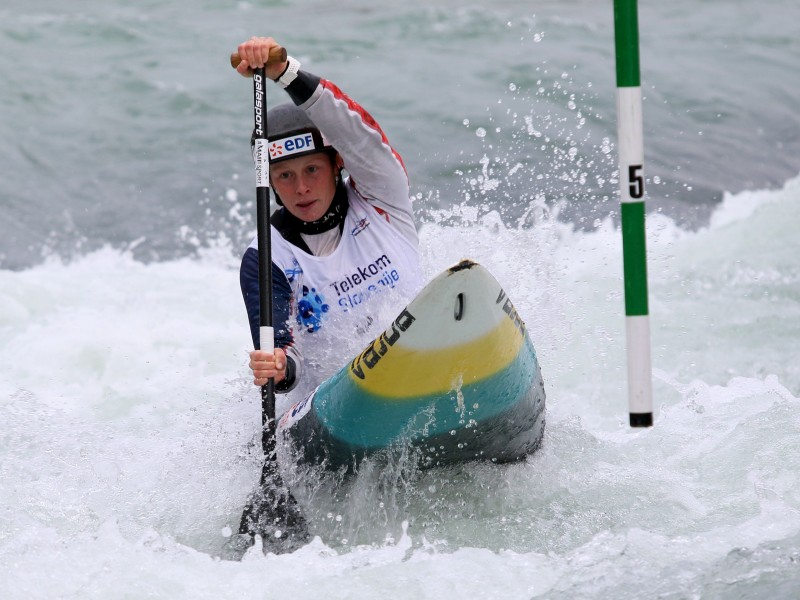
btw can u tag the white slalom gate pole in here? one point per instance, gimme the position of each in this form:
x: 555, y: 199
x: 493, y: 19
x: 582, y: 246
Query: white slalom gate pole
x: 631, y: 177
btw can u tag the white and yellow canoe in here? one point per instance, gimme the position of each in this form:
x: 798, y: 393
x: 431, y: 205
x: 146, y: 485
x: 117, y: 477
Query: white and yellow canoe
x: 455, y: 376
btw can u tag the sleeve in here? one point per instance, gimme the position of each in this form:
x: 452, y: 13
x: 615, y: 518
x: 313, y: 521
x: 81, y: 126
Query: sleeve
x: 377, y: 173
x: 281, y: 313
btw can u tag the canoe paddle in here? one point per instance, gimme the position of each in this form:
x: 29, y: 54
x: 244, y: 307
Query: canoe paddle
x: 272, y: 512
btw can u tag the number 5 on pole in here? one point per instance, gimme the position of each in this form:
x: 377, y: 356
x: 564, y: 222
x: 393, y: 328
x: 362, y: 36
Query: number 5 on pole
x: 631, y: 166
x: 636, y: 187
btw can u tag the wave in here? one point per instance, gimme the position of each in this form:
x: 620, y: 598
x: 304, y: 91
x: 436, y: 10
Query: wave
x: 131, y: 427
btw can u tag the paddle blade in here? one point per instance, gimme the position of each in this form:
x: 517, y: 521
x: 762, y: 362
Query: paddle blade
x: 273, y: 514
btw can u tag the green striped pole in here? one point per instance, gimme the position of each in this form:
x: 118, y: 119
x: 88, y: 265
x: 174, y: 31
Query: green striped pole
x: 631, y: 179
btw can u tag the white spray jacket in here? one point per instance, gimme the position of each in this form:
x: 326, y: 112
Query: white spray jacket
x: 325, y: 308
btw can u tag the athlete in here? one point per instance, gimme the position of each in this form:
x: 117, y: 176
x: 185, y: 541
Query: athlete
x: 344, y: 243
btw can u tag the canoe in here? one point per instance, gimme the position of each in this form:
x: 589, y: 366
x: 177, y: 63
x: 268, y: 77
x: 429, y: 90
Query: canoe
x: 455, y: 378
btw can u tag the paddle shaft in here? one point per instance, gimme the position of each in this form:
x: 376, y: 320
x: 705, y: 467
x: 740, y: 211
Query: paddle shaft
x: 266, y: 331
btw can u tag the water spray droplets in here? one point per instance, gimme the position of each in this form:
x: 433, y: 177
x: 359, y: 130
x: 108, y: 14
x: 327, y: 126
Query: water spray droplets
x: 550, y: 151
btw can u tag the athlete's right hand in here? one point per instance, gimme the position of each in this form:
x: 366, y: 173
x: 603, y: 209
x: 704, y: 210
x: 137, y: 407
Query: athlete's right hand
x: 255, y: 54
x: 265, y: 365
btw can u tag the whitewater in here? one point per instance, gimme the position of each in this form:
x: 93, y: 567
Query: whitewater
x: 130, y: 428
x: 129, y: 438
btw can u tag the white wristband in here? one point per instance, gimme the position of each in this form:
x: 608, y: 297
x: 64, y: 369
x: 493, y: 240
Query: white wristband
x: 290, y: 74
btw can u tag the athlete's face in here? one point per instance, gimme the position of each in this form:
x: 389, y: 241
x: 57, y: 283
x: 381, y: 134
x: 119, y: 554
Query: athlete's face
x: 305, y: 184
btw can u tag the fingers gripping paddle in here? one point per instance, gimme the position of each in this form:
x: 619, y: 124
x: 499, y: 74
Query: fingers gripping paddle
x: 276, y: 54
x: 272, y: 511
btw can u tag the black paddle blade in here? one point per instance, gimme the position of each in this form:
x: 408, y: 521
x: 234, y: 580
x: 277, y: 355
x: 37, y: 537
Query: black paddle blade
x: 273, y: 513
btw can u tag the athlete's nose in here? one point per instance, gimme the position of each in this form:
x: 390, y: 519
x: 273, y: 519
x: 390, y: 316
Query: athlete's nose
x: 302, y: 185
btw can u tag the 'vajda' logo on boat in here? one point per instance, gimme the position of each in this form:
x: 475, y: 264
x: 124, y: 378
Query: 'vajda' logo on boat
x: 381, y: 345
x: 511, y: 312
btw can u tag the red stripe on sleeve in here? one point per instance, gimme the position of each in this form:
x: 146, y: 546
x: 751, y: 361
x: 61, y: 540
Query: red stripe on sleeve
x: 366, y: 118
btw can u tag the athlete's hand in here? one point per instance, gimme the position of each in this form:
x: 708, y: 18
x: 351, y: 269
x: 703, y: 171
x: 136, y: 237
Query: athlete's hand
x: 255, y: 54
x: 265, y: 365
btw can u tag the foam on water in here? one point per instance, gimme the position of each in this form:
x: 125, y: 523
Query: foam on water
x: 130, y: 429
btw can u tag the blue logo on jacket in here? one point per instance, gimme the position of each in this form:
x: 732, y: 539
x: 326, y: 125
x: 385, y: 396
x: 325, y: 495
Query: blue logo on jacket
x: 293, y: 271
x: 310, y: 309
x: 362, y: 224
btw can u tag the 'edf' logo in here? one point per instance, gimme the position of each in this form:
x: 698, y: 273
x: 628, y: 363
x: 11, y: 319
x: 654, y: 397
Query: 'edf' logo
x: 292, y: 145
